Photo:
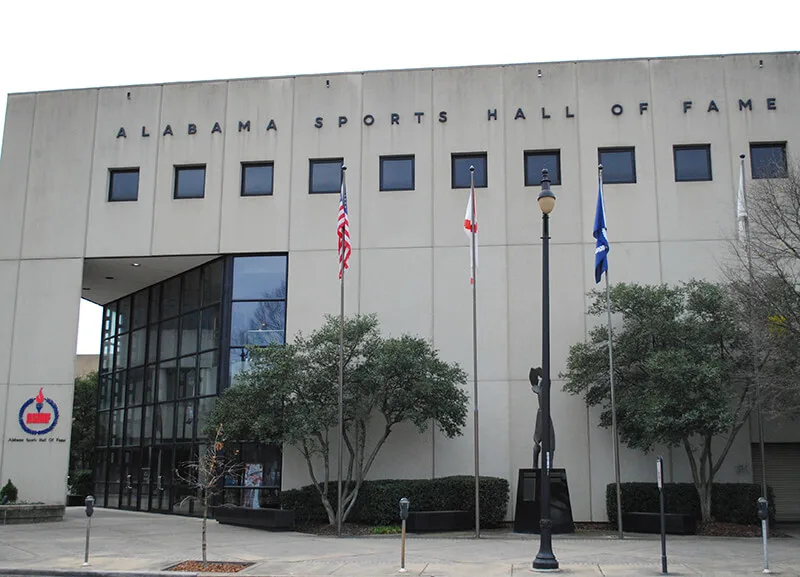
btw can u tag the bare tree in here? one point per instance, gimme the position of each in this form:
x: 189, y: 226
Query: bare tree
x: 772, y: 294
x: 206, y: 476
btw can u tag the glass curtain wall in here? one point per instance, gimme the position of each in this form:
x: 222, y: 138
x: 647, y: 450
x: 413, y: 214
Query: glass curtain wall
x: 164, y: 353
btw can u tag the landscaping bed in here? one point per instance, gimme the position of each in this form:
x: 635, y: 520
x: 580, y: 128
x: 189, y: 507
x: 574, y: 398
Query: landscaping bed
x: 209, y: 566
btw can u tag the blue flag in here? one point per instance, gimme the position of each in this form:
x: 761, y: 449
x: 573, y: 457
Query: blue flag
x: 599, y: 233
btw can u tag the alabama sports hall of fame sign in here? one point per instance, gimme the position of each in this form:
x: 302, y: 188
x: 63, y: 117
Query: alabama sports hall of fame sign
x: 38, y: 417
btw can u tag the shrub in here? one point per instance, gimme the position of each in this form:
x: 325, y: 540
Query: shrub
x: 8, y: 494
x: 80, y: 482
x: 730, y: 502
x: 378, y: 501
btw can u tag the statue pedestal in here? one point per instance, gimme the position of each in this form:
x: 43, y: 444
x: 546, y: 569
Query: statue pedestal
x: 529, y: 492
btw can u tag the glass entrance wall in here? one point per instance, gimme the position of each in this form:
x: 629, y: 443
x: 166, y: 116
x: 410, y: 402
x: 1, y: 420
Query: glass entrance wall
x: 167, y: 352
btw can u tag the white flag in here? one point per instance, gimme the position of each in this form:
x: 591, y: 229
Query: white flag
x: 470, y: 226
x: 741, y: 204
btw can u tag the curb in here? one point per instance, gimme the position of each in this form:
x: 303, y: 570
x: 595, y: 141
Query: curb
x: 90, y: 573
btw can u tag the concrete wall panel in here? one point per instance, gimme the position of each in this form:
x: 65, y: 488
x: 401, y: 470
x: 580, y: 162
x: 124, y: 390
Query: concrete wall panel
x: 189, y: 226
x: 466, y: 95
x: 692, y: 210
x: 46, y: 326
x: 388, y: 272
x: 600, y: 99
x: 401, y: 218
x: 9, y: 271
x: 14, y: 171
x: 257, y: 223
x: 452, y: 306
x: 313, y: 216
x: 58, y: 181
x: 124, y: 228
x: 314, y: 290
x: 37, y: 464
x: 525, y: 93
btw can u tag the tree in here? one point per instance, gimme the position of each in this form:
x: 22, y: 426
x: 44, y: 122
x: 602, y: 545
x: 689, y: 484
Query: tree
x: 206, y: 475
x: 290, y: 396
x: 681, y: 367
x: 773, y: 293
x: 84, y: 409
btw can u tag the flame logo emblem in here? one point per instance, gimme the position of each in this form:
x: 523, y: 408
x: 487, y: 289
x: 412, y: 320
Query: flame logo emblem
x: 42, y: 421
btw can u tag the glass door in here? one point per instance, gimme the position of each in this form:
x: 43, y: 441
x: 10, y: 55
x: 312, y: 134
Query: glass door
x: 160, y: 478
x: 131, y: 470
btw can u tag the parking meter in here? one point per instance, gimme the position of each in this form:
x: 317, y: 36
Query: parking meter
x: 763, y: 509
x: 89, y: 505
x: 89, y: 501
x: 404, y: 503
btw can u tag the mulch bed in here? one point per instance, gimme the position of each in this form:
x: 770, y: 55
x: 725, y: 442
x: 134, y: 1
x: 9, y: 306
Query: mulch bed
x: 324, y: 529
x: 209, y: 566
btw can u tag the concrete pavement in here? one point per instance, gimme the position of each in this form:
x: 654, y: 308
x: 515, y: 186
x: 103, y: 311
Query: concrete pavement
x: 142, y: 542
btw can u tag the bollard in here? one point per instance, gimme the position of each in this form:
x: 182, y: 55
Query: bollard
x: 404, y: 503
x: 660, y: 481
x: 89, y: 512
x: 763, y: 514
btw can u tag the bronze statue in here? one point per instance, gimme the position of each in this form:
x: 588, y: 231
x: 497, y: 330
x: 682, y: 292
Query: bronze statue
x: 535, y: 377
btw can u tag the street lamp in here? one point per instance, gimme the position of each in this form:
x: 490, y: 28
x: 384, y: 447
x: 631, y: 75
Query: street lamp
x: 545, y: 559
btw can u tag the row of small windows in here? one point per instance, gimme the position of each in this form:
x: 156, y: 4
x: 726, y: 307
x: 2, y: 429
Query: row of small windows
x: 691, y: 163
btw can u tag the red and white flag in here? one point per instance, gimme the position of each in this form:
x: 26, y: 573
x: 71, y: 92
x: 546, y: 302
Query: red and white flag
x: 470, y: 227
x: 343, y: 231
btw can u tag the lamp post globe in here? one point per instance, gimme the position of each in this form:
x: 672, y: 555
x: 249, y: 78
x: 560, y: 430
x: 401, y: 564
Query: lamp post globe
x: 545, y: 559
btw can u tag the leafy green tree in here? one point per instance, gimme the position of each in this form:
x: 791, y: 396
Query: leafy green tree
x: 84, y: 409
x: 290, y: 397
x: 682, y: 370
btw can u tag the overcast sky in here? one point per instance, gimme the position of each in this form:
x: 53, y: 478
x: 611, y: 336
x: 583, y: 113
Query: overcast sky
x: 51, y: 45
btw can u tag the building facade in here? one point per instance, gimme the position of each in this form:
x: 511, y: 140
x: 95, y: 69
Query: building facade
x: 202, y: 216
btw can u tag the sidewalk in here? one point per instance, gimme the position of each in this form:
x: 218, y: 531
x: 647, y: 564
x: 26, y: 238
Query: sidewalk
x: 136, y: 542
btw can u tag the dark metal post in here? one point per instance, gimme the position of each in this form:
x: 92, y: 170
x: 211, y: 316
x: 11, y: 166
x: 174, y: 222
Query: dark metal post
x: 545, y: 559
x: 660, y: 474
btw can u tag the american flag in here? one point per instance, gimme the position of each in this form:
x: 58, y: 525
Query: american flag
x: 343, y: 230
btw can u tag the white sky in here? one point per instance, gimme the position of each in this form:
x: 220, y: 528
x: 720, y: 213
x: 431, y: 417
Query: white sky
x: 51, y: 45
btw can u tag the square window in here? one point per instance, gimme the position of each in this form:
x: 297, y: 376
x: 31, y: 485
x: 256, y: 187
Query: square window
x: 397, y: 173
x: 536, y: 160
x: 123, y: 184
x: 692, y: 162
x: 768, y: 160
x: 190, y: 181
x: 325, y: 175
x: 460, y: 170
x: 257, y: 179
x: 619, y: 164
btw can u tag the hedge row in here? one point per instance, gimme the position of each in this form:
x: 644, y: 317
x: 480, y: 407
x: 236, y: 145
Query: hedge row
x: 730, y: 502
x: 378, y: 501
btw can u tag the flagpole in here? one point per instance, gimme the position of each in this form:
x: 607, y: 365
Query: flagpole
x: 614, y: 431
x: 341, y: 375
x: 759, y: 416
x: 474, y: 271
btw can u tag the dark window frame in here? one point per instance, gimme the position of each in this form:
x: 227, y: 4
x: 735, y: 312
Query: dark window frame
x: 685, y: 147
x: 613, y: 149
x: 529, y: 153
x: 756, y: 170
x: 461, y: 155
x: 314, y: 161
x: 257, y: 164
x: 111, y: 173
x: 410, y: 157
x: 181, y: 167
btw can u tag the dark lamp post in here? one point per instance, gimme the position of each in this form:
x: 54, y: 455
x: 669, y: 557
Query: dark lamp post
x: 545, y: 559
